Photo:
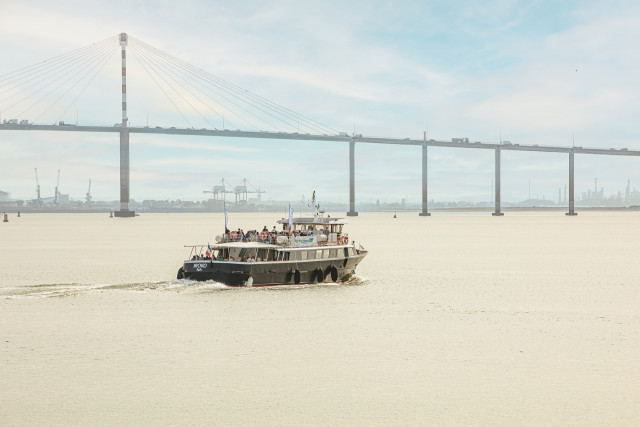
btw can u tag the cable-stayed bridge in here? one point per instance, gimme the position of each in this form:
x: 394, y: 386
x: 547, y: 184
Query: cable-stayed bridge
x: 206, y: 104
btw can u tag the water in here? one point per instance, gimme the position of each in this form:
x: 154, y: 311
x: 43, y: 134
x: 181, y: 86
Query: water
x: 528, y: 319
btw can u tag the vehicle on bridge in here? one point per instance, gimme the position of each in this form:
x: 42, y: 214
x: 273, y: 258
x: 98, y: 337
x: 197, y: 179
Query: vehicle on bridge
x: 460, y: 140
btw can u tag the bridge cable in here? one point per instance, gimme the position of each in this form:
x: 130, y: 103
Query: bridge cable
x: 67, y: 78
x: 242, y: 94
x: 148, y: 64
x: 35, y: 79
x: 162, y: 89
x: 235, y: 90
x: 241, y: 117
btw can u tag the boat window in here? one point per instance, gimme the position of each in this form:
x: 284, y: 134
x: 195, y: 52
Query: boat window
x: 262, y: 254
x: 284, y: 256
x: 325, y: 253
x: 234, y: 254
x: 311, y: 254
x: 302, y: 255
x: 247, y: 253
x: 333, y: 253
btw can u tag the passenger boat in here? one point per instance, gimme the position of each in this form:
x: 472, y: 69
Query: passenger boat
x: 306, y: 250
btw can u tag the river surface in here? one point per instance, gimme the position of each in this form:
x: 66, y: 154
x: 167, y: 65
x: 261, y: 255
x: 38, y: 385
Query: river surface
x: 527, y: 319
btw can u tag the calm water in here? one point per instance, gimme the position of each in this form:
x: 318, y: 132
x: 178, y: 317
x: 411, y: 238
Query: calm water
x: 528, y: 319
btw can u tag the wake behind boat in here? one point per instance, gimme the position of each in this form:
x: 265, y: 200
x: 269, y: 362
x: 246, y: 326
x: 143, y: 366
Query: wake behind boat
x: 306, y: 250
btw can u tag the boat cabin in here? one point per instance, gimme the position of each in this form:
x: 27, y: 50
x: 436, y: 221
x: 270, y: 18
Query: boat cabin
x: 315, y: 225
x: 261, y: 252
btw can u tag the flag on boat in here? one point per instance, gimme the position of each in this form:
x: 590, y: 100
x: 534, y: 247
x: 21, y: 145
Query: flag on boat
x: 290, y: 217
x: 226, y: 218
x: 209, y: 250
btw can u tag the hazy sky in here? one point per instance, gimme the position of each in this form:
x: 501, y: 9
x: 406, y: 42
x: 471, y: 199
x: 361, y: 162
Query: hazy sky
x: 532, y: 72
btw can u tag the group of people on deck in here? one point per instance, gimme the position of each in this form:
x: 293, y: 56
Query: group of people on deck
x: 265, y: 235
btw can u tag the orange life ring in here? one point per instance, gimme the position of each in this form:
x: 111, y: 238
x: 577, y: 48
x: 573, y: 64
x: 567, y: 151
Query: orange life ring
x: 263, y: 235
x: 233, y: 235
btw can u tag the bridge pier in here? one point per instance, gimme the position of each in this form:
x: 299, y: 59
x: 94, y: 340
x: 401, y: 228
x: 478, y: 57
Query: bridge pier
x: 497, y: 180
x: 124, y: 211
x: 571, y: 188
x: 352, y: 176
x: 424, y: 181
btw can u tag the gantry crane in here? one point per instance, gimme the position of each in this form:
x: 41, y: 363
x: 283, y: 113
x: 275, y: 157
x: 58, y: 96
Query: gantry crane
x: 219, y: 189
x: 55, y: 197
x: 241, y: 191
x: 38, y: 200
x: 88, y: 195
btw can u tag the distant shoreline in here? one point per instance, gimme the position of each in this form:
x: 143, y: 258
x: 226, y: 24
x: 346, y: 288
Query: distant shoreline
x: 14, y: 210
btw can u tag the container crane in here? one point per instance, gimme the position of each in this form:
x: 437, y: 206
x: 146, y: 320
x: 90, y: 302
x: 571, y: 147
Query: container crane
x: 55, y: 197
x: 218, y: 189
x: 242, y: 191
x: 88, y: 195
x: 38, y: 200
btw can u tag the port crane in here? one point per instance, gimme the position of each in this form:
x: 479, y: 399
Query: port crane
x: 240, y: 191
x: 88, y: 195
x: 219, y: 189
x: 38, y: 200
x: 55, y: 197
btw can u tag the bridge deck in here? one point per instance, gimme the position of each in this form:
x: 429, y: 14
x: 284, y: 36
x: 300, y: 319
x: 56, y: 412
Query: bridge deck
x: 311, y: 137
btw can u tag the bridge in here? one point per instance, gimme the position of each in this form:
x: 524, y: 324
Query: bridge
x: 274, y: 112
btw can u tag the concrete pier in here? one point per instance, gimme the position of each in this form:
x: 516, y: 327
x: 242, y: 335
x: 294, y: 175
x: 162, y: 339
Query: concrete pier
x: 124, y: 211
x: 497, y: 196
x: 424, y: 181
x: 571, y: 212
x: 352, y: 178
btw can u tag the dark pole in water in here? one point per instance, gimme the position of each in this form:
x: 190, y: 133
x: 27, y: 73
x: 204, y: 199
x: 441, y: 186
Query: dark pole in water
x: 352, y: 177
x: 497, y: 195
x: 571, y: 188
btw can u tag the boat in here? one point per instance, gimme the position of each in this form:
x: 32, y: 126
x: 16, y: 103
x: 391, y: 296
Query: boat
x: 305, y: 250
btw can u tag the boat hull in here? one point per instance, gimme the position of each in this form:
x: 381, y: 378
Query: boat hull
x: 272, y: 272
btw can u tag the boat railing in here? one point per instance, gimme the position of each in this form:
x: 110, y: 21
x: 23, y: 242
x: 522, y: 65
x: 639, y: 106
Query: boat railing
x: 333, y: 239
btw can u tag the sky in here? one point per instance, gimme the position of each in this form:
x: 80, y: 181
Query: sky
x: 531, y: 72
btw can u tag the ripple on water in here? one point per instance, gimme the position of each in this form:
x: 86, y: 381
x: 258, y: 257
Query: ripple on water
x: 61, y: 290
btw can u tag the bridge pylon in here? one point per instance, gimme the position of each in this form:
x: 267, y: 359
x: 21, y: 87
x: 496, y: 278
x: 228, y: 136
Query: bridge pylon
x: 124, y: 211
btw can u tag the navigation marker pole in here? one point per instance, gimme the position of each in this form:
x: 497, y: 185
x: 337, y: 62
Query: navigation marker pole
x: 124, y: 211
